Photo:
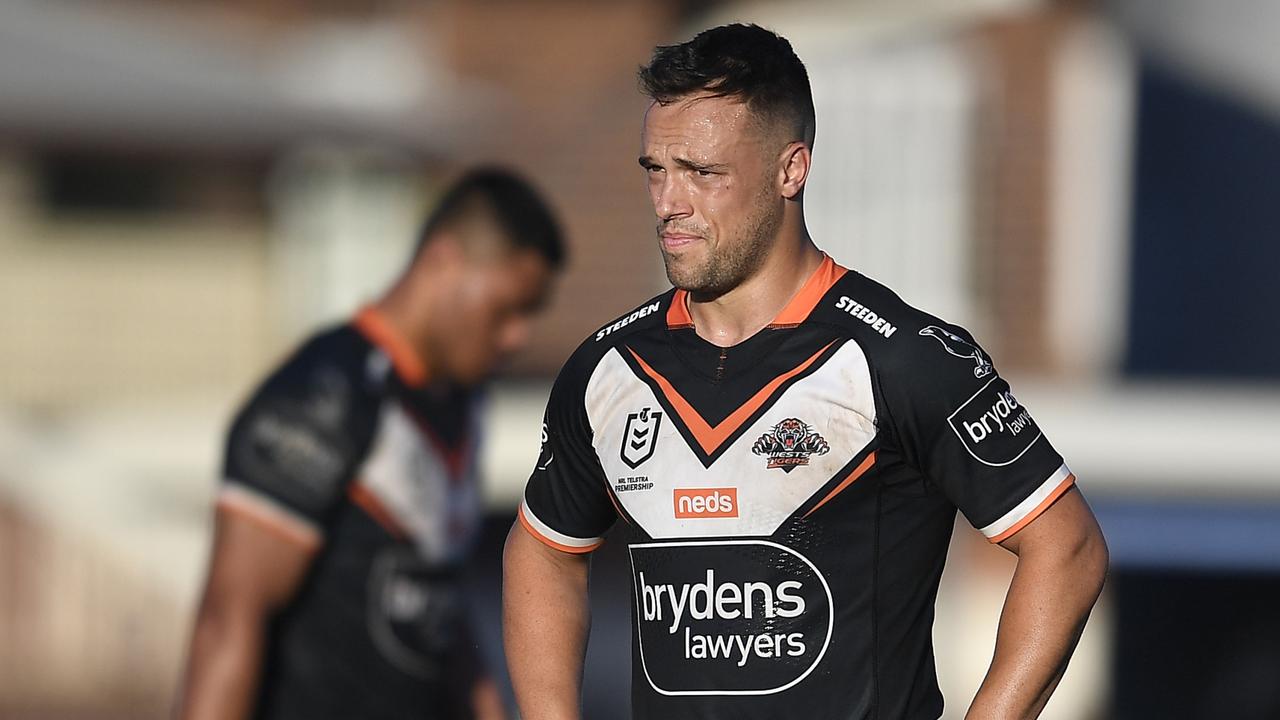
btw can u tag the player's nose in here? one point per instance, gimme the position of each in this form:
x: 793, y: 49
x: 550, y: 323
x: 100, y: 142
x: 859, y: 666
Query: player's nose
x: 670, y: 199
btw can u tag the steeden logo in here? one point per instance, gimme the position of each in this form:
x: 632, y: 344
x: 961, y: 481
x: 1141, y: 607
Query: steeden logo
x: 706, y: 502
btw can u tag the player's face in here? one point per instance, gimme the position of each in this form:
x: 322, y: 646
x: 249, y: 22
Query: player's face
x: 713, y: 182
x: 492, y: 313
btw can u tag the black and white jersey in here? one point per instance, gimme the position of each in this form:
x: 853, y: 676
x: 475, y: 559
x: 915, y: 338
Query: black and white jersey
x: 348, y: 450
x: 789, y: 500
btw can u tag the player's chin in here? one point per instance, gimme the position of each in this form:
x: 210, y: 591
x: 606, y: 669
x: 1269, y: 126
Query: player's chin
x: 682, y: 271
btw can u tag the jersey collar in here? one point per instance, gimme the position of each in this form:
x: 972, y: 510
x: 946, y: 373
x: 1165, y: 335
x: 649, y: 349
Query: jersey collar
x: 795, y: 312
x: 408, y: 364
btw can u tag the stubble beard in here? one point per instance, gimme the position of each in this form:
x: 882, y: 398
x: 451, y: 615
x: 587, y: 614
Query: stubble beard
x: 727, y: 265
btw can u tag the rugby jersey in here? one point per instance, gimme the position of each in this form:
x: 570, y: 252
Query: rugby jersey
x: 787, y: 501
x: 350, y: 451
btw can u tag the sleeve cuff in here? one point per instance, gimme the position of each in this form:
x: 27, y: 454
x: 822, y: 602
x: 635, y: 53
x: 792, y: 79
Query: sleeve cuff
x: 552, y: 538
x: 269, y: 514
x: 1030, y: 508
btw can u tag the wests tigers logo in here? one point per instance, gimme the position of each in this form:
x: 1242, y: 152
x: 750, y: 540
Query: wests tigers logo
x: 790, y: 444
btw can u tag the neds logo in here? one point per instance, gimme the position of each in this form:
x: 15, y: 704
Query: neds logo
x: 706, y: 502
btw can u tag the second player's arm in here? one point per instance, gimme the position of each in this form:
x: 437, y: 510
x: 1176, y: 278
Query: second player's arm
x: 1062, y: 562
x: 546, y: 619
x: 253, y: 572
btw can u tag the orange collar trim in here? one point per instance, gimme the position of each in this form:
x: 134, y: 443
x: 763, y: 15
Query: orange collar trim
x: 407, y: 363
x: 796, y: 311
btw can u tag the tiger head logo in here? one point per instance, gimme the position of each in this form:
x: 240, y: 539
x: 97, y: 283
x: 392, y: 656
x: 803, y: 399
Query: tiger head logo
x: 789, y: 445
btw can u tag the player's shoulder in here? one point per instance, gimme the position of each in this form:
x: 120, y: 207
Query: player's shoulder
x: 332, y: 378
x: 898, y: 337
x: 337, y: 350
x: 648, y: 316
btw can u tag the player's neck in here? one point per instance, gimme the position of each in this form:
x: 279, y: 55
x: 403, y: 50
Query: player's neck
x: 407, y: 307
x: 738, y: 314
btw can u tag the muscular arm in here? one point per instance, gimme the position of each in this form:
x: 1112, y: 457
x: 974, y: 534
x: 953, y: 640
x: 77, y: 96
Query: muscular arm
x: 253, y: 572
x: 1062, y: 562
x: 546, y: 619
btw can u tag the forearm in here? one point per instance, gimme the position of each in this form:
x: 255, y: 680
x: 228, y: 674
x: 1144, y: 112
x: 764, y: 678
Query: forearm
x: 486, y: 700
x: 222, y: 672
x: 546, y: 619
x: 1045, y: 611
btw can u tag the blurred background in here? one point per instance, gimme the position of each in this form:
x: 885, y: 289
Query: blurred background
x: 189, y: 187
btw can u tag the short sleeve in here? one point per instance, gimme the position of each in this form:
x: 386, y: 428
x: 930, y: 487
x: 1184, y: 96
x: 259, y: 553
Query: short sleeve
x: 960, y: 423
x: 566, y: 502
x: 292, y: 450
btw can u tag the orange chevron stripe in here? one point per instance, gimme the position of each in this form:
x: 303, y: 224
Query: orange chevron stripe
x: 364, y: 499
x: 712, y: 437
x: 858, y: 472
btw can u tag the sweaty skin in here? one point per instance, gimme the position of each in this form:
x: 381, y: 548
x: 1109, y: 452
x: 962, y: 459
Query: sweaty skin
x: 1062, y: 563
x: 726, y: 193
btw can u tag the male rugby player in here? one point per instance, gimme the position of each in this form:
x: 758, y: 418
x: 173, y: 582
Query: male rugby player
x: 787, y: 443
x: 350, y: 499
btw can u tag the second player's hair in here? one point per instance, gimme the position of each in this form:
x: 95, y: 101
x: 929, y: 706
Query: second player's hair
x: 742, y: 61
x: 518, y: 211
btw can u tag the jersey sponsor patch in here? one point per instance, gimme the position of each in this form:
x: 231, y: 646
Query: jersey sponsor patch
x: 789, y: 445
x: 640, y: 438
x: 413, y: 620
x: 961, y: 348
x: 284, y: 443
x: 993, y: 426
x: 728, y: 617
x: 705, y: 502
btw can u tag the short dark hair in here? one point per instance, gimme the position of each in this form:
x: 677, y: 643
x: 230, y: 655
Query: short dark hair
x: 517, y: 209
x: 742, y: 61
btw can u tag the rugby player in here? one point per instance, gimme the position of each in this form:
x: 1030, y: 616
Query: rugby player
x: 786, y: 443
x: 350, y: 499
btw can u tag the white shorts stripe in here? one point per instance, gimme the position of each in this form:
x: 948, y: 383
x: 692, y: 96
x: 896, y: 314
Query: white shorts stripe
x: 1029, y: 504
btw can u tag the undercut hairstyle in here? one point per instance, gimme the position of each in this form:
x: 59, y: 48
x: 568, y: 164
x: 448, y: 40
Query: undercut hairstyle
x: 746, y: 62
x: 508, y: 202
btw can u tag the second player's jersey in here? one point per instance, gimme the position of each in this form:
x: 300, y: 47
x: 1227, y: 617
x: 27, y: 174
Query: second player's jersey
x: 348, y: 450
x: 789, y: 500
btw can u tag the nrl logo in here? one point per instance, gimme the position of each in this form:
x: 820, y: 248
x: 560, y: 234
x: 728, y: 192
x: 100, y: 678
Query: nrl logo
x: 790, y: 444
x: 640, y: 437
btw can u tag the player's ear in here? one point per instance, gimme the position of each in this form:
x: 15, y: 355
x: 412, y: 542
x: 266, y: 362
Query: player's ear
x: 793, y: 171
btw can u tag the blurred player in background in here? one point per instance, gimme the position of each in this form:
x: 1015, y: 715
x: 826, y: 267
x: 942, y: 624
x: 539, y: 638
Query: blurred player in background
x: 350, y: 498
x: 787, y: 443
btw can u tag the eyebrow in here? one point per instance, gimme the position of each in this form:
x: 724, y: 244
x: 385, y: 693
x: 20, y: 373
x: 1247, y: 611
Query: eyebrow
x: 646, y: 162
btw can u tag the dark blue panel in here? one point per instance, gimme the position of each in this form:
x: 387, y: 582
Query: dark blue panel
x: 1191, y: 536
x: 1205, y: 270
